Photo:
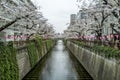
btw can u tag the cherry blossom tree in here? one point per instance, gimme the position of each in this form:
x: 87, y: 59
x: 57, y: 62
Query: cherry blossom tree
x: 26, y: 16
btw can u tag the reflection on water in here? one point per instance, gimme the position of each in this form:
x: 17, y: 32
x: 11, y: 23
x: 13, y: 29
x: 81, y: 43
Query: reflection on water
x: 59, y: 65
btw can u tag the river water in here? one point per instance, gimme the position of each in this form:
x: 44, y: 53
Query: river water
x: 58, y: 66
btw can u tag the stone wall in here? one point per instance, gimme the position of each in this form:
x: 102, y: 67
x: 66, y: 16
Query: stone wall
x: 97, y: 66
x: 23, y: 62
x: 23, y: 58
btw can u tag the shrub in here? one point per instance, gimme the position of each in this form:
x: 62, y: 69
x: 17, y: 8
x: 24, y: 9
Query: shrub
x: 101, y: 50
x: 32, y: 53
x: 8, y: 62
x: 39, y: 45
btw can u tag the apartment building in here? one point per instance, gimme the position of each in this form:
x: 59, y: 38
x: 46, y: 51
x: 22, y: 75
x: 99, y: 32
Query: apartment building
x: 8, y: 13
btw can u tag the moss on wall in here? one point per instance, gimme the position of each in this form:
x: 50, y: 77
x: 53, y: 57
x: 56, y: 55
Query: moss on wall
x: 39, y: 45
x: 49, y: 44
x: 105, y: 51
x: 8, y: 62
x: 32, y: 53
x: 35, y: 49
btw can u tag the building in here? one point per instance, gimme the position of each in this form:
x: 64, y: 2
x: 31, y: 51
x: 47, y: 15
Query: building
x: 8, y: 12
x: 72, y: 19
x: 82, y: 23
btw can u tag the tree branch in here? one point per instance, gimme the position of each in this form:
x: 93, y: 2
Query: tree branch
x: 112, y: 26
x: 10, y: 23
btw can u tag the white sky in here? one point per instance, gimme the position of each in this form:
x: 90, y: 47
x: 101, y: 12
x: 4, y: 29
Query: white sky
x: 57, y: 12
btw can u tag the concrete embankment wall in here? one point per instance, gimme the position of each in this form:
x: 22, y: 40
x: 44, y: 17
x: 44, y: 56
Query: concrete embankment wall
x: 97, y: 66
x: 27, y: 60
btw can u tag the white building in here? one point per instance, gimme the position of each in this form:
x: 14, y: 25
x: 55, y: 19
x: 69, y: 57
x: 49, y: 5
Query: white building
x: 8, y: 10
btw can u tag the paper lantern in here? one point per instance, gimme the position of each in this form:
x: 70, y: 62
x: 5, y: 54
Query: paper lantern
x: 111, y: 36
x: 103, y: 37
x: 117, y: 36
x: 108, y: 36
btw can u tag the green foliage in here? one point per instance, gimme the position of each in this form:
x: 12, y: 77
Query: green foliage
x: 32, y: 53
x: 106, y: 51
x: 35, y: 49
x: 101, y: 50
x: 8, y: 62
x: 49, y: 44
x: 65, y: 41
x: 39, y: 45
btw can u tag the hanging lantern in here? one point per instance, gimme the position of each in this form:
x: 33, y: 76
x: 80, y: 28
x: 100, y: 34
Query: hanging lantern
x: 103, y: 37
x: 111, y: 36
x: 117, y: 36
x: 108, y: 36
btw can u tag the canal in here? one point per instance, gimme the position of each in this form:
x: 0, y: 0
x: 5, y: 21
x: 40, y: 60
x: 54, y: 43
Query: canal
x: 59, y: 64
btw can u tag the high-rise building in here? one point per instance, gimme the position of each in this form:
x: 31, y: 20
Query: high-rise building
x: 72, y: 19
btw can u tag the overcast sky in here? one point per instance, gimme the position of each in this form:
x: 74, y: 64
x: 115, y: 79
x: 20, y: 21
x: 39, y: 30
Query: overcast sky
x: 57, y: 12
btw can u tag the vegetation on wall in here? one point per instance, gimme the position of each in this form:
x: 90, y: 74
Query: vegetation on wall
x: 65, y: 42
x: 101, y: 50
x: 35, y: 48
x: 106, y: 51
x: 8, y: 62
x: 49, y: 44
x: 39, y: 45
x: 32, y: 53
